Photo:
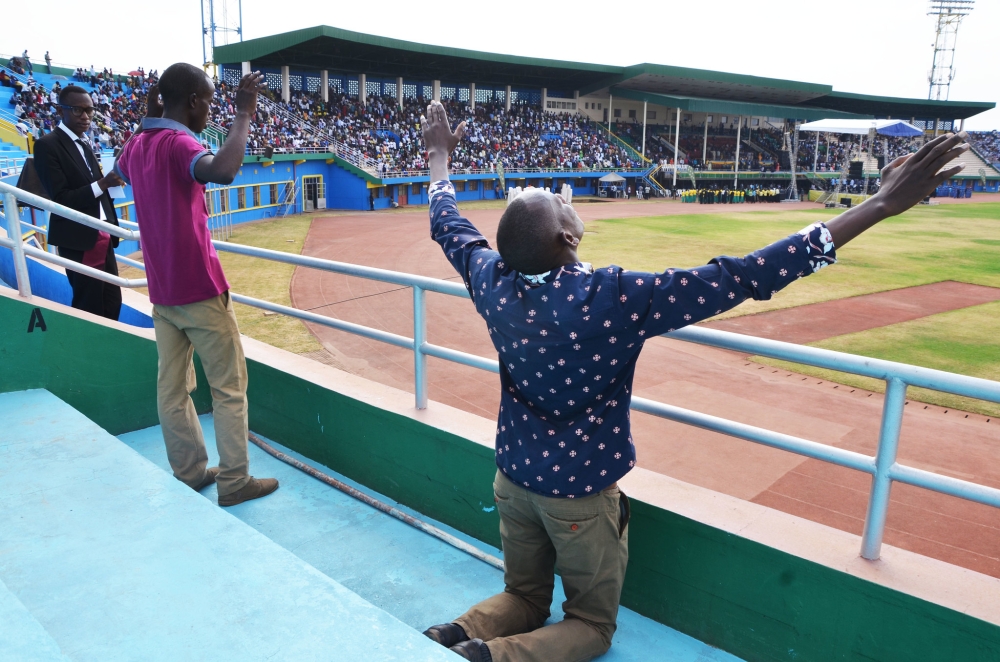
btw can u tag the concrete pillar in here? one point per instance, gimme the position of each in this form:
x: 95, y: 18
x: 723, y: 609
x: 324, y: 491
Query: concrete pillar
x: 286, y: 94
x: 245, y: 68
x: 399, y: 91
x: 704, y: 145
x: 435, y: 90
x: 611, y: 114
x: 545, y: 98
x: 937, y: 123
x: 363, y: 89
x: 507, y: 98
x: 324, y: 83
x: 644, y: 115
x: 472, y: 96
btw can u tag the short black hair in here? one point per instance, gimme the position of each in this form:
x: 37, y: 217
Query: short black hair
x: 179, y: 81
x: 71, y: 89
x: 526, y: 240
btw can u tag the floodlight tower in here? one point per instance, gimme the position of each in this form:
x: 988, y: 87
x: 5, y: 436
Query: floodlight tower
x: 220, y: 22
x: 949, y: 15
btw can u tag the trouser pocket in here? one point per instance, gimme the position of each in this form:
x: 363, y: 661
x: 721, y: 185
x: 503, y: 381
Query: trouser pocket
x: 624, y: 513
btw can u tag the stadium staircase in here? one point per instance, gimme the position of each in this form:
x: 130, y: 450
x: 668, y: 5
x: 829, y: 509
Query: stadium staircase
x: 666, y: 141
x: 650, y: 178
x: 107, y: 556
x: 976, y: 164
x: 624, y: 144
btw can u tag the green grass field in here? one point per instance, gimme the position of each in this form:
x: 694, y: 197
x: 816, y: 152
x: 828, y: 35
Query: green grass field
x: 925, y: 245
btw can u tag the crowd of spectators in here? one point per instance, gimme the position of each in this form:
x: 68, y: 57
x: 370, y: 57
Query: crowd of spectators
x: 987, y: 143
x: 523, y: 137
x: 120, y: 102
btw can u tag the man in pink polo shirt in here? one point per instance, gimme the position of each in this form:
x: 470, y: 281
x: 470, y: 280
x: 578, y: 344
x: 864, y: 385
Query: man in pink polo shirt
x: 168, y: 168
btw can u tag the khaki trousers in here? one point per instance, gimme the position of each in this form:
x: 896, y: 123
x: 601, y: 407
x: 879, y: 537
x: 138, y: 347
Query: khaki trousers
x: 208, y: 327
x: 586, y: 540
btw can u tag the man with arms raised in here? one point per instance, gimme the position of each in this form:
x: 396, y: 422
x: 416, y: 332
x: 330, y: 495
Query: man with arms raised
x: 568, y: 337
x: 168, y: 168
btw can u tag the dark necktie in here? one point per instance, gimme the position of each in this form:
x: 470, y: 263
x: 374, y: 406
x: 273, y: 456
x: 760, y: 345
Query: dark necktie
x: 90, y: 160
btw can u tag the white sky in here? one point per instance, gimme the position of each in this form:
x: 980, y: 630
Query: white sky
x: 878, y: 47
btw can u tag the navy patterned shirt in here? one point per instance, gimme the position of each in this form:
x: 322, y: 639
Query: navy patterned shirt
x: 568, y: 341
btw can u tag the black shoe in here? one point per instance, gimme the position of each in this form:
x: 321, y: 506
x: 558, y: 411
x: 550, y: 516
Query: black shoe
x: 446, y: 634
x: 474, y: 650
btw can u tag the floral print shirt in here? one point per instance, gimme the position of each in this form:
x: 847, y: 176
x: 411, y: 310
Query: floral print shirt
x: 568, y: 342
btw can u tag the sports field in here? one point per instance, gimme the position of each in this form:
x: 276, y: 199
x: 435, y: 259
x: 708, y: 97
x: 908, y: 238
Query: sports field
x: 929, y: 244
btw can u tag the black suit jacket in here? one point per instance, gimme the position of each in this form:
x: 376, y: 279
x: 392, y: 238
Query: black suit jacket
x: 67, y: 179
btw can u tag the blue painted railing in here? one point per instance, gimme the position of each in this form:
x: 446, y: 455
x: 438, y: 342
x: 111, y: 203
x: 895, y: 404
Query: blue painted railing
x: 883, y: 467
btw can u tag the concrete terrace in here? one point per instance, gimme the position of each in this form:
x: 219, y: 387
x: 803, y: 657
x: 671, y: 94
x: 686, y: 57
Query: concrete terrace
x: 105, y: 556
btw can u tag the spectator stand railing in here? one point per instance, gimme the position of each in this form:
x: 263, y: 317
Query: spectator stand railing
x: 883, y: 466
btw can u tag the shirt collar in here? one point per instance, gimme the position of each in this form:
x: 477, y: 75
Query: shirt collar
x: 549, y: 276
x: 151, y: 123
x: 72, y: 136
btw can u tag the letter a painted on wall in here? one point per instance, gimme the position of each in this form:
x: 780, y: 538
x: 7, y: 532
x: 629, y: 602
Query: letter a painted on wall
x: 36, y: 320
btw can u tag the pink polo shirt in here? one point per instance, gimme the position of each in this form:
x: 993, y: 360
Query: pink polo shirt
x: 181, y: 263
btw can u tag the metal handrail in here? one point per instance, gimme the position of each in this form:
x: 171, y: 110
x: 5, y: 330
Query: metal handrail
x: 883, y: 467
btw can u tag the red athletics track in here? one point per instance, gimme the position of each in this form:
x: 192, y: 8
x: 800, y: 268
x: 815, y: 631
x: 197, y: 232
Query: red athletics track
x: 714, y: 381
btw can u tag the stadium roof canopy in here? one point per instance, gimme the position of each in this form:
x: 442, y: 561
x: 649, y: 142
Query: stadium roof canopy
x: 344, y: 51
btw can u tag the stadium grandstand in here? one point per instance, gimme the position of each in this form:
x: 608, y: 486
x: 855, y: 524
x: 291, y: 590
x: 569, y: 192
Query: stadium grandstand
x: 341, y: 127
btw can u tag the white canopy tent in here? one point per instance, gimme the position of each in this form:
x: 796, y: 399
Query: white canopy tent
x: 862, y: 127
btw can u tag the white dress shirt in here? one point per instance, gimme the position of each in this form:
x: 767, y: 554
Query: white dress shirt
x: 78, y: 141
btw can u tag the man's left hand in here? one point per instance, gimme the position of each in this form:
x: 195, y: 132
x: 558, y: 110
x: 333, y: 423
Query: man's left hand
x: 438, y: 136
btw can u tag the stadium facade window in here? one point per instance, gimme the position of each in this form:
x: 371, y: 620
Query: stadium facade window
x: 447, y: 92
x: 373, y: 88
x: 688, y: 118
x: 352, y: 87
x: 724, y: 119
x: 336, y: 84
x: 273, y: 81
x: 463, y: 94
x: 484, y: 96
x: 256, y: 196
x: 618, y: 112
x: 241, y: 198
x: 709, y: 118
x: 755, y: 121
x: 272, y: 193
x: 459, y: 185
x: 472, y: 185
x: 586, y: 105
x: 389, y: 89
x: 650, y: 114
x: 409, y: 91
x: 223, y: 200
x: 231, y: 75
x: 295, y: 83
x: 312, y: 83
x: 631, y: 114
x: 501, y: 95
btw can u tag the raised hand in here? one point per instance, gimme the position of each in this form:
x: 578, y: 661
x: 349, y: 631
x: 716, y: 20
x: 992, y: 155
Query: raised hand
x: 438, y: 136
x: 246, y: 92
x: 911, y: 178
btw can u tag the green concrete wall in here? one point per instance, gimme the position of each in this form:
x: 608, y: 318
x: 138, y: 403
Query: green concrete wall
x: 108, y: 375
x: 755, y: 601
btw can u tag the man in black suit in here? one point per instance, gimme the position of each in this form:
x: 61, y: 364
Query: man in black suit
x: 71, y: 175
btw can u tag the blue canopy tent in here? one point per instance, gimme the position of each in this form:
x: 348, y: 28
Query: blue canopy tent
x: 890, y: 128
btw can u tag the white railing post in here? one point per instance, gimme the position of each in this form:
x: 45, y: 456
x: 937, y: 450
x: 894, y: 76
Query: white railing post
x: 14, y: 234
x: 419, y: 340
x: 885, y: 458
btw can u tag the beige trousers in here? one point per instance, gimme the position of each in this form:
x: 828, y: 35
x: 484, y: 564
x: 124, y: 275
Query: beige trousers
x: 586, y: 540
x: 209, y: 328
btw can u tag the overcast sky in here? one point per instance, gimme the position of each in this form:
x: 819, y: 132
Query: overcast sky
x: 879, y: 47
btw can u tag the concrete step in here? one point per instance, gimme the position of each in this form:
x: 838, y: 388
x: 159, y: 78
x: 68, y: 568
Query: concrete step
x: 116, y: 560
x: 414, y: 577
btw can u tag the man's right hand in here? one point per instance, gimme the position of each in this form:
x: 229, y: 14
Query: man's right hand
x: 246, y: 92
x: 911, y: 178
x: 109, y: 180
